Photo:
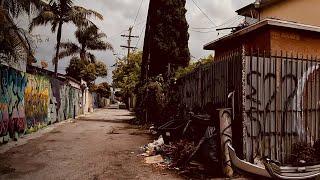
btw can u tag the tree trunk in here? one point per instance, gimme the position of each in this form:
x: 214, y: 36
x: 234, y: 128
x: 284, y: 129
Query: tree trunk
x: 56, y: 59
x: 83, y: 54
x: 146, y: 46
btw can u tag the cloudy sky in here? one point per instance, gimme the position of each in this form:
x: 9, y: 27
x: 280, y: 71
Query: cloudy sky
x: 120, y: 14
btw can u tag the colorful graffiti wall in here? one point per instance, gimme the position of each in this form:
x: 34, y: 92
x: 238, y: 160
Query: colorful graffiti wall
x: 29, y: 100
x: 37, y: 100
x: 12, y: 113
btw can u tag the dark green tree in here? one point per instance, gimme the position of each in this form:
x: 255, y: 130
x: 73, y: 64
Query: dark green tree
x: 167, y: 37
x: 127, y: 74
x: 85, y: 70
x: 103, y: 89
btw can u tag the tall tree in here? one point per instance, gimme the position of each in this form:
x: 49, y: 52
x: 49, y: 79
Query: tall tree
x: 127, y: 74
x: 90, y: 39
x: 58, y: 12
x: 167, y: 37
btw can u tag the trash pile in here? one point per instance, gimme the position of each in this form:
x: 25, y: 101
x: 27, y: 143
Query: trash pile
x: 304, y: 154
x: 185, y: 155
x: 153, y: 148
x: 179, y: 153
x: 174, y: 155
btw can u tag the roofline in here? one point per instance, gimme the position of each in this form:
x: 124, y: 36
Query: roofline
x: 258, y: 4
x: 265, y: 22
x: 249, y: 6
x: 264, y: 3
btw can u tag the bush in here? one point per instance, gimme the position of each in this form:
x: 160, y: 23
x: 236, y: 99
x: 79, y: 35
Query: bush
x: 150, y: 102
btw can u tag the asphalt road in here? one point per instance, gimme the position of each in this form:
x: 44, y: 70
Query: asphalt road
x: 99, y: 146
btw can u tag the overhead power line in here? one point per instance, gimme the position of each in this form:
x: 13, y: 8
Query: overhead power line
x: 204, y: 13
x: 140, y: 36
x: 135, y: 19
x: 203, y: 31
x: 231, y: 20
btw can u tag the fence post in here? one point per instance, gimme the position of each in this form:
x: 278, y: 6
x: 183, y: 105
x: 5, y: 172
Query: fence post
x: 226, y: 138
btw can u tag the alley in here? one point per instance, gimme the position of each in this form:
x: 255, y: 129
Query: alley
x: 101, y: 145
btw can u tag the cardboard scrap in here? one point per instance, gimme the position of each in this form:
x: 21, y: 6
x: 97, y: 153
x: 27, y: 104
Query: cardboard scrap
x: 154, y: 159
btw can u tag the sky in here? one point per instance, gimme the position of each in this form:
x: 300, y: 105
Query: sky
x: 119, y: 15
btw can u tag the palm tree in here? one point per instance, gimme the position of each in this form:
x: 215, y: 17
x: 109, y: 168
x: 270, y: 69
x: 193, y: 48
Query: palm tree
x: 12, y: 37
x: 58, y: 12
x: 90, y: 39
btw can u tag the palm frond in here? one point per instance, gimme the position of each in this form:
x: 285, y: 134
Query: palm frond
x: 91, y: 57
x: 43, y: 18
x: 16, y: 7
x: 100, y: 35
x: 100, y: 45
x: 87, y: 13
x: 69, y: 49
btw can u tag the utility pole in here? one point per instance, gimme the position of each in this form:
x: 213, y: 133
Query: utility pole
x: 128, y: 46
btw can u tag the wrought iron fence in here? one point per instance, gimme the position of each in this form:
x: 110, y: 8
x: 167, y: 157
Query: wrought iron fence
x: 277, y: 99
x: 281, y: 104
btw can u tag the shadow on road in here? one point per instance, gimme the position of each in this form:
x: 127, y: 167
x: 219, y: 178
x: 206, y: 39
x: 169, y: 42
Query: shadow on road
x: 106, y: 120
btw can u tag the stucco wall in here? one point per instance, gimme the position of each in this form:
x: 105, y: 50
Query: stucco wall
x: 295, y: 42
x: 301, y: 11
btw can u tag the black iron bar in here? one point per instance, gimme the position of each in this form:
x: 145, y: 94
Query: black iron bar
x: 258, y: 101
x: 285, y: 105
x: 263, y: 104
x: 275, y: 107
x: 269, y: 108
x: 250, y: 109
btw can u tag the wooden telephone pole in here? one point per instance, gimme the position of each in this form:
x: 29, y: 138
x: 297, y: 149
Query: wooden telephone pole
x: 128, y: 46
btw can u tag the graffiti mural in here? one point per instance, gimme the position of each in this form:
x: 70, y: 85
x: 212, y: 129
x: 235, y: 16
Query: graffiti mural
x: 12, y: 114
x: 33, y: 100
x: 37, y: 100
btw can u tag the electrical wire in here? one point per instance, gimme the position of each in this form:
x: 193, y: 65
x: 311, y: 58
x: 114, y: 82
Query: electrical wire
x: 135, y: 20
x: 210, y: 31
x: 202, y: 31
x: 231, y: 20
x: 140, y: 36
x: 204, y: 13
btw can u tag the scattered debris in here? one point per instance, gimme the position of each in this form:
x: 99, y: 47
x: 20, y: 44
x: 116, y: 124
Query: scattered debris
x: 154, y: 159
x: 152, y: 130
x: 153, y: 148
x: 112, y: 131
x: 179, y: 152
x: 303, y: 154
x: 316, y: 147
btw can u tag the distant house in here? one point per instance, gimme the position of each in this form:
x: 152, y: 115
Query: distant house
x: 290, y: 26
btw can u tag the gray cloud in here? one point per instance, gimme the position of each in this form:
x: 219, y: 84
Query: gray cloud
x: 120, y: 14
